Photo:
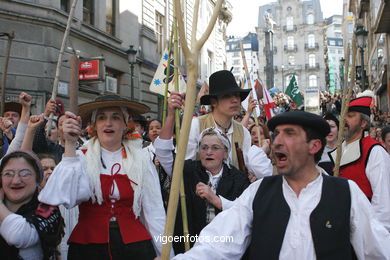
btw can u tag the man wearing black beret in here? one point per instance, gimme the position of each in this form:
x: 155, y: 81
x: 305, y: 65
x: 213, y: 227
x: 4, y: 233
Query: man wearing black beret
x: 300, y: 213
x: 364, y: 160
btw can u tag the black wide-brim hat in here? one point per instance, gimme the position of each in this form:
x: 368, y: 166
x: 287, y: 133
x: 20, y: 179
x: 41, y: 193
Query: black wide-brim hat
x: 221, y: 83
x: 331, y: 116
x: 133, y: 107
x: 301, y: 118
x: 13, y: 106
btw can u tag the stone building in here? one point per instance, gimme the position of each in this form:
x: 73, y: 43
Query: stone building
x: 39, y: 27
x: 334, y: 52
x: 298, y: 43
x: 234, y: 59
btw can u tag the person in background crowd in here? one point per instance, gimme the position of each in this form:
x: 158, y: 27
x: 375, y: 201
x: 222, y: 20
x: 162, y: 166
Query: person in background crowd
x: 141, y: 125
x: 386, y: 138
x: 378, y: 132
x: 154, y: 129
x: 112, y: 180
x: 364, y: 160
x: 54, y: 137
x: 28, y: 229
x: 43, y: 144
x: 48, y: 162
x: 372, y: 133
x: 12, y: 112
x: 301, y: 213
x: 331, y: 143
x: 211, y: 183
x: 8, y: 132
x: 225, y: 98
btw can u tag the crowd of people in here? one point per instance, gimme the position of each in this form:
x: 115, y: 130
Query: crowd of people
x: 97, y: 184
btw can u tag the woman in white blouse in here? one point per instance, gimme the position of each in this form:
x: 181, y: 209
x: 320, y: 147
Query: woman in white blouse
x: 113, y: 182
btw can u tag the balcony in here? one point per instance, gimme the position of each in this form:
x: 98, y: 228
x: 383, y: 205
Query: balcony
x: 310, y: 47
x: 289, y: 48
x: 292, y: 28
x: 312, y: 66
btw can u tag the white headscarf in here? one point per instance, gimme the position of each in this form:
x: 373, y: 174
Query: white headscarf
x: 221, y: 136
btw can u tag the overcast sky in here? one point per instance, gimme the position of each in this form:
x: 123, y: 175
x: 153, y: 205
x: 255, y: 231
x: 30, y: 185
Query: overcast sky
x: 245, y: 14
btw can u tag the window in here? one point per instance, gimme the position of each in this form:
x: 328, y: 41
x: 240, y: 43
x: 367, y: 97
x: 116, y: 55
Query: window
x: 332, y: 43
x: 290, y: 23
x: 236, y: 62
x: 312, y: 60
x: 350, y: 28
x: 65, y: 5
x: 312, y: 81
x: 340, y: 51
x: 160, y: 32
x: 236, y: 54
x: 332, y: 51
x: 110, y: 17
x: 209, y: 62
x: 310, y: 19
x: 88, y: 12
x: 289, y: 9
x: 291, y: 60
x: 311, y: 40
x: 290, y: 42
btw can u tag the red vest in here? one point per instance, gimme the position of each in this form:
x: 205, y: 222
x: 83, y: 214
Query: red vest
x: 94, y: 219
x: 356, y: 170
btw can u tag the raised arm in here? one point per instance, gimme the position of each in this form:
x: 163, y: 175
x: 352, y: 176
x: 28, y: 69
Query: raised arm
x: 34, y: 122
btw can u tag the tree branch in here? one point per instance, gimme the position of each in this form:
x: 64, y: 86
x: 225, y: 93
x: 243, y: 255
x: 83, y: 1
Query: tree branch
x: 195, y: 22
x: 181, y: 28
x: 210, y: 26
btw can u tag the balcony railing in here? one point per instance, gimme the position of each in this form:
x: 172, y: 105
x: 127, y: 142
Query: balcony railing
x: 291, y: 48
x: 290, y: 28
x: 311, y: 46
x: 312, y: 66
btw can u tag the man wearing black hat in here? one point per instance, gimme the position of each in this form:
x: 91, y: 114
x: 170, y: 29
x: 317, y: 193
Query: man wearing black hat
x: 12, y: 111
x: 299, y: 214
x: 225, y: 98
x: 364, y: 160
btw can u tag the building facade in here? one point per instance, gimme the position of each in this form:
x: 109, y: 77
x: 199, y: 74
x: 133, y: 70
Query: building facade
x: 298, y: 43
x: 334, y: 52
x: 234, y: 58
x: 39, y: 27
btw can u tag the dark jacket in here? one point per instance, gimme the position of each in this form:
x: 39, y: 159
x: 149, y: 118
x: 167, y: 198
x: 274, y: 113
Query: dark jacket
x: 42, y: 144
x: 231, y: 185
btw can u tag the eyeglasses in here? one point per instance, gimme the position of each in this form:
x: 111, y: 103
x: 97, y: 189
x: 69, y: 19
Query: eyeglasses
x: 23, y: 174
x: 213, y: 148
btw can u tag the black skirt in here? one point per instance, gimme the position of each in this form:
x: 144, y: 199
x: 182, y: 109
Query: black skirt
x: 115, y: 249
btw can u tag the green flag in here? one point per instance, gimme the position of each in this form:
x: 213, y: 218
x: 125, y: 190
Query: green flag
x: 293, y: 91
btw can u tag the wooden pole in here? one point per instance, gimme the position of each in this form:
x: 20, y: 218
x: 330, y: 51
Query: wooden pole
x: 183, y: 204
x: 7, y: 53
x: 74, y: 84
x: 347, y: 92
x: 59, y: 61
x: 165, y: 106
x: 248, y: 79
x: 191, y: 57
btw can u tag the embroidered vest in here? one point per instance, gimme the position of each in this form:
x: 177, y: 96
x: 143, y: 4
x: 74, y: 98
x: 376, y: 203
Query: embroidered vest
x: 207, y: 121
x: 329, y: 221
x: 356, y: 170
x: 94, y: 219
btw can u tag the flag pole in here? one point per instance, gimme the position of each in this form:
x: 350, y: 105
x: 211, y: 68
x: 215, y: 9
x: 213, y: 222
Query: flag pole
x: 251, y: 93
x: 59, y: 62
x: 183, y: 203
x: 168, y: 74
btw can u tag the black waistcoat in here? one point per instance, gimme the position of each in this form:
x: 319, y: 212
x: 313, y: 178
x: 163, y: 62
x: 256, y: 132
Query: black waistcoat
x: 329, y: 221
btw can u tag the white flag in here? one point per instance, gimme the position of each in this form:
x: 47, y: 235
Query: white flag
x: 246, y: 101
x: 159, y: 80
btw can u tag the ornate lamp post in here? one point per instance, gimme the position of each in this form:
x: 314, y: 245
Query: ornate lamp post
x: 131, y: 53
x: 361, y: 37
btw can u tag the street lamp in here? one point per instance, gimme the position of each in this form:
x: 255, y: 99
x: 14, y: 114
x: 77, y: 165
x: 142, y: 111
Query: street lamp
x: 131, y: 54
x: 342, y: 63
x: 361, y: 37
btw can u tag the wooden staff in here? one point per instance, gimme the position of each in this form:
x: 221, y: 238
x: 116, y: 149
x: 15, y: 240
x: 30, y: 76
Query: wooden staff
x: 248, y: 79
x: 347, y: 92
x: 10, y: 37
x: 192, y: 75
x: 167, y: 75
x: 183, y: 203
x: 59, y: 61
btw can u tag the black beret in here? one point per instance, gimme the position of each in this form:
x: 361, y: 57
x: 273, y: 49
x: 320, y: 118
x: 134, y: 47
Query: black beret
x: 302, y: 118
x: 331, y: 116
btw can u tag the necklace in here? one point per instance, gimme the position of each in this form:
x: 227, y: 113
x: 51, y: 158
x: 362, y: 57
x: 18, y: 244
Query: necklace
x: 225, y: 129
